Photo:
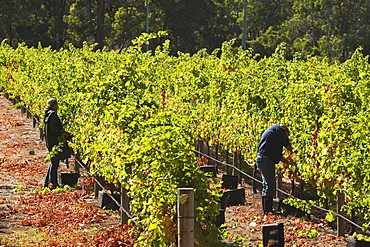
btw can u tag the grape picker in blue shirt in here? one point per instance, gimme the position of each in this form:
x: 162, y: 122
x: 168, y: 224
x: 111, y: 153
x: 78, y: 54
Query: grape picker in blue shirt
x: 269, y: 153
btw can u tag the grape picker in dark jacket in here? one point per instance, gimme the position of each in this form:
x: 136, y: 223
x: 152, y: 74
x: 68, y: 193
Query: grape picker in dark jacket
x: 269, y: 153
x: 54, y: 134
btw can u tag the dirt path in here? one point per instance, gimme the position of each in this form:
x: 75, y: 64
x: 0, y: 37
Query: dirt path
x: 22, y: 156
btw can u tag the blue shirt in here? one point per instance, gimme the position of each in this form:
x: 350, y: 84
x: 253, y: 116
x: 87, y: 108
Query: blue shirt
x: 272, y: 142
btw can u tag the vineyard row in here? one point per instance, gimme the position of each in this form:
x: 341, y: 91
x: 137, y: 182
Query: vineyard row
x: 136, y: 114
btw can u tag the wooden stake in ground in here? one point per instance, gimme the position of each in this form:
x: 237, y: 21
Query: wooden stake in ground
x: 185, y: 215
x: 279, y: 185
x: 125, y: 205
x: 340, y: 221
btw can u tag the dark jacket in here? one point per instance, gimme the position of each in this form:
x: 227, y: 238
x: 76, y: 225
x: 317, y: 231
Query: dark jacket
x: 52, y: 129
x: 272, y: 142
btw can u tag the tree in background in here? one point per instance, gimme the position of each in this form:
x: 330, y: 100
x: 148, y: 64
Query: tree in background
x: 333, y: 28
x: 8, y: 12
x: 264, y: 20
x: 192, y: 24
x: 33, y: 22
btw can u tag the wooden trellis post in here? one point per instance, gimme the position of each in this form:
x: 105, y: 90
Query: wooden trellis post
x: 279, y: 185
x: 185, y: 217
x: 198, y: 148
x: 254, y: 183
x: 235, y: 163
x: 125, y: 205
x: 97, y: 188
x: 228, y: 168
x: 77, y: 159
x: 340, y: 221
x: 216, y: 156
x: 240, y: 163
x: 201, y: 147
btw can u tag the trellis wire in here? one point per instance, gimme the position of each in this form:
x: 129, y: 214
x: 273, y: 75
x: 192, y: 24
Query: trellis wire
x: 101, y: 186
x: 289, y: 195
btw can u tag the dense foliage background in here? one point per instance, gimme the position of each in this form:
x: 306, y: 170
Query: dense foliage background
x: 333, y: 28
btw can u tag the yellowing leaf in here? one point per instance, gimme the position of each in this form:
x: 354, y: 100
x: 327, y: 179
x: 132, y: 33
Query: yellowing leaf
x: 152, y: 227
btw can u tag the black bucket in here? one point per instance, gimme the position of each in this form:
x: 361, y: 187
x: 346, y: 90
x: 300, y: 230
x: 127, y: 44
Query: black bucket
x: 211, y: 170
x: 236, y: 197
x: 230, y: 182
x: 69, y: 178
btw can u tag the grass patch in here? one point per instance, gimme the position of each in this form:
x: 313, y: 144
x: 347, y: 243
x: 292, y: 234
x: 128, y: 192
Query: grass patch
x: 26, y: 237
x: 45, y: 237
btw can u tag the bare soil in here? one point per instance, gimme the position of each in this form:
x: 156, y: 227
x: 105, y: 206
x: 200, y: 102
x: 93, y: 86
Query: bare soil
x: 248, y: 220
x: 23, y: 168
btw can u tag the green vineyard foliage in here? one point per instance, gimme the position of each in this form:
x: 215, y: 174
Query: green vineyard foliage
x: 135, y: 116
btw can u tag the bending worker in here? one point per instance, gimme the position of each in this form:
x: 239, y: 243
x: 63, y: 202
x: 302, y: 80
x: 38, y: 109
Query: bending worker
x: 269, y: 153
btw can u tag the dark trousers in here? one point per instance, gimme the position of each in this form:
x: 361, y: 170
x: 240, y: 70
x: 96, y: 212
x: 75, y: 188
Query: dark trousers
x: 52, y: 174
x: 267, y: 168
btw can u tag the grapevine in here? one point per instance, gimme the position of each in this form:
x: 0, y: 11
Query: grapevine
x: 135, y: 116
